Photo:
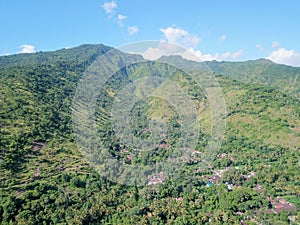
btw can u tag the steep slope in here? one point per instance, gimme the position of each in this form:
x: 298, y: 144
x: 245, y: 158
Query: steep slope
x: 261, y: 71
x: 45, y: 178
x: 266, y: 107
x: 82, y: 54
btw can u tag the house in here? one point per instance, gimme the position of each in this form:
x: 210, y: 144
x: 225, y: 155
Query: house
x: 153, y: 180
x: 251, y: 174
x: 130, y: 157
x: 281, y: 204
x: 259, y: 188
x: 124, y: 151
x: 163, y: 145
x: 214, y: 179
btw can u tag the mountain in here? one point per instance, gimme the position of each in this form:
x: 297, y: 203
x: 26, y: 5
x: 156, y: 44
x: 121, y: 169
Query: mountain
x: 84, y: 53
x: 47, y: 177
x: 261, y: 71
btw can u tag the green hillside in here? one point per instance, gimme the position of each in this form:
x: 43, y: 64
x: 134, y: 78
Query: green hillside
x: 47, y: 180
x: 262, y: 71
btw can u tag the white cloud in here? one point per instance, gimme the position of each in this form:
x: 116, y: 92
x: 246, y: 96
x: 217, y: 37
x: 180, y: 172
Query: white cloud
x: 197, y: 55
x: 184, y: 38
x: 110, y: 7
x: 27, y: 49
x: 259, y: 47
x: 284, y: 56
x: 163, y: 49
x: 120, y: 19
x: 132, y: 30
x: 180, y: 36
x: 166, y: 49
x: 275, y: 44
x: 4, y: 54
x: 223, y: 37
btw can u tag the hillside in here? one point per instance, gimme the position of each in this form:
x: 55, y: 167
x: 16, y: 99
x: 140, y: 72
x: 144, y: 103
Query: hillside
x: 46, y: 178
x: 261, y: 71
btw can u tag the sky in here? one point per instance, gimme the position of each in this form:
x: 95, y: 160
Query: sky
x: 212, y: 29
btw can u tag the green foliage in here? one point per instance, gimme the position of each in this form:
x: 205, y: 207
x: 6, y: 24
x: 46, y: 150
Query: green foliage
x: 233, y: 176
x: 45, y: 179
x: 262, y: 71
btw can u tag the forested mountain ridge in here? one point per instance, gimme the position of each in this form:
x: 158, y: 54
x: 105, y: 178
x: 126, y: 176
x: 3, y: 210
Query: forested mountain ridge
x: 83, y: 53
x: 261, y: 71
x: 45, y: 178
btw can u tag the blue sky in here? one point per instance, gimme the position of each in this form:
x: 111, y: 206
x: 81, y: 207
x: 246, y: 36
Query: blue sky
x: 212, y: 29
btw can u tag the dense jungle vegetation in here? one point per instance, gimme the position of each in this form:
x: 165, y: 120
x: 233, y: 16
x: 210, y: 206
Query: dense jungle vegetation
x: 46, y: 180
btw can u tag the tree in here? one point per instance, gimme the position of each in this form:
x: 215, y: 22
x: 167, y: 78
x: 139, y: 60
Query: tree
x: 233, y: 176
